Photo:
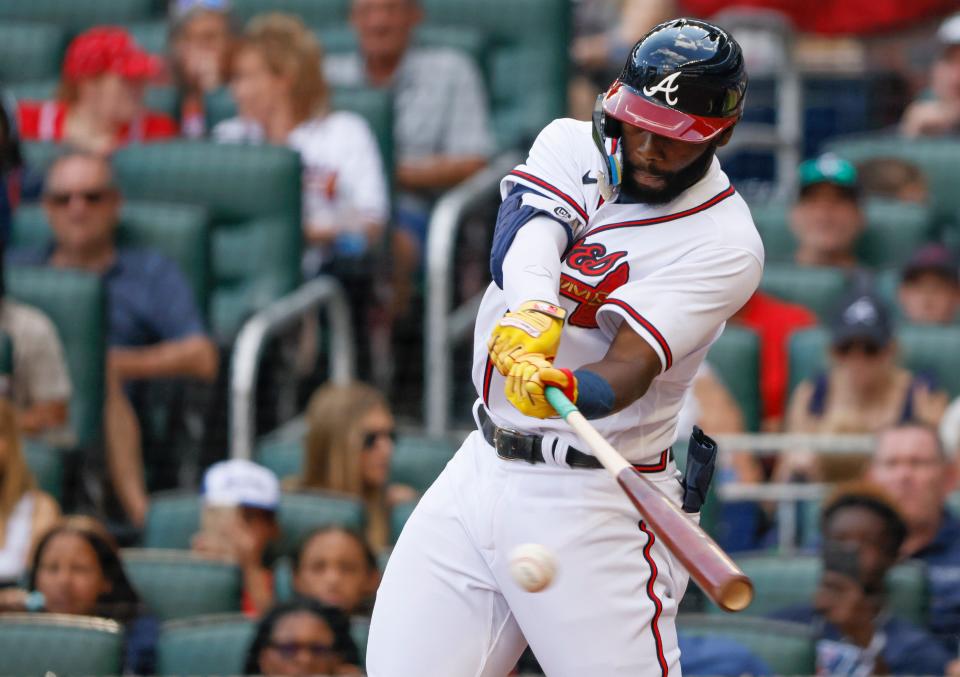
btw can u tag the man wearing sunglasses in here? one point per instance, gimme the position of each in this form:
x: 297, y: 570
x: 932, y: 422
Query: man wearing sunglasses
x: 155, y: 330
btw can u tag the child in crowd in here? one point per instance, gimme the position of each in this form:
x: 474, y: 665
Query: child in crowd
x: 337, y: 567
x: 241, y: 500
x: 77, y: 570
x: 303, y: 637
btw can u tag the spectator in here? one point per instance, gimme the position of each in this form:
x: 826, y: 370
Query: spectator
x: 26, y: 512
x: 77, y: 570
x: 937, y: 112
x: 930, y: 286
x: 241, y: 500
x: 857, y: 635
x: 950, y: 429
x: 201, y: 40
x: 441, y: 124
x: 912, y: 466
x: 893, y: 178
x: 336, y: 567
x: 40, y: 384
x: 17, y: 181
x: 154, y: 330
x: 774, y: 321
x: 303, y: 637
x: 864, y: 390
x: 283, y: 99
x: 713, y: 655
x: 826, y: 218
x: 349, y: 445
x: 100, y: 104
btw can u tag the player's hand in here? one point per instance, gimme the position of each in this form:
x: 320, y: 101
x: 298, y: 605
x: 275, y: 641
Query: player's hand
x: 523, y: 387
x: 534, y: 327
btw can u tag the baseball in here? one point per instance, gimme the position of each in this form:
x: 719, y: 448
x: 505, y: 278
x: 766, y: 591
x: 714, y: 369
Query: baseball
x: 532, y: 566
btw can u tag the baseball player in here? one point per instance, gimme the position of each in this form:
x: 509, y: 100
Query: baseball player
x: 620, y: 250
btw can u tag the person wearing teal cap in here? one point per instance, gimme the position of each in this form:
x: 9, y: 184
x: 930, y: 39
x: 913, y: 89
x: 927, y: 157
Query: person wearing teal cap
x: 826, y: 218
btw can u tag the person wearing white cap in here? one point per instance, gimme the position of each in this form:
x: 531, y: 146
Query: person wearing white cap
x: 938, y: 112
x: 241, y: 500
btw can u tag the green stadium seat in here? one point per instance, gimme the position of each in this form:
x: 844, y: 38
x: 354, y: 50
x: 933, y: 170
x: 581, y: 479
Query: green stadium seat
x: 77, y: 15
x: 418, y: 461
x: 178, y: 231
x: 206, y: 645
x: 783, y: 581
x: 938, y: 158
x: 304, y: 511
x: 76, y: 304
x: 283, y: 579
x: 931, y: 350
x: 398, y: 517
x: 313, y: 13
x: 172, y: 520
x: 253, y: 197
x: 151, y: 35
x: 816, y: 288
x: 30, y: 51
x: 38, y: 155
x: 770, y: 218
x: 44, y: 644
x: 46, y: 464
x: 736, y: 359
x: 6, y: 354
x: 283, y: 456
x: 181, y: 584
x: 788, y: 648
x: 528, y: 69
x: 174, y: 517
x: 374, y: 105
x: 360, y: 631
x: 33, y: 90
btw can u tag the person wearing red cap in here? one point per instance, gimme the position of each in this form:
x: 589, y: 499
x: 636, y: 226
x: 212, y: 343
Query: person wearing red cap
x: 99, y: 106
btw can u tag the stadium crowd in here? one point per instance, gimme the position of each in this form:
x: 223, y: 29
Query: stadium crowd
x: 854, y: 331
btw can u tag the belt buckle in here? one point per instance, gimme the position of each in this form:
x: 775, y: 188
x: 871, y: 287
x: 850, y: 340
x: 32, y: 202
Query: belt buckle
x: 520, y: 444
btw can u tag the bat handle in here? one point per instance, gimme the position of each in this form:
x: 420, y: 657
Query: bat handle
x: 560, y: 402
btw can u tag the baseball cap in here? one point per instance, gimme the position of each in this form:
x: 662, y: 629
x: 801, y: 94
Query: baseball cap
x: 861, y: 316
x: 828, y: 168
x: 932, y: 258
x: 949, y: 32
x: 109, y: 49
x: 239, y: 482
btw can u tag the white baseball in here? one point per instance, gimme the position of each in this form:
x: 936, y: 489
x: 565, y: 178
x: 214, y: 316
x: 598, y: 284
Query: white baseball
x: 532, y: 566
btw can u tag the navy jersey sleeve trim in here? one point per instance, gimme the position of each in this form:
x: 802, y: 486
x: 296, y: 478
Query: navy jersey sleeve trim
x: 537, y: 181
x: 512, y: 216
x: 646, y: 324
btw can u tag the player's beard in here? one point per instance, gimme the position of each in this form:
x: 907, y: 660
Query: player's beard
x: 674, y: 182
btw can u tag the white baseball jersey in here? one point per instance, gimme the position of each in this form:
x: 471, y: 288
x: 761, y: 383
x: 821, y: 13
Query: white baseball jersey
x: 674, y: 272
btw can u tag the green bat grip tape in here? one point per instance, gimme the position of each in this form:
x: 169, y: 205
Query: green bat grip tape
x: 559, y: 401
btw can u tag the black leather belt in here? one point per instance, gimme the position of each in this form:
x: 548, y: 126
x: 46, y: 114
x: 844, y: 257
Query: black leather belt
x: 518, y: 446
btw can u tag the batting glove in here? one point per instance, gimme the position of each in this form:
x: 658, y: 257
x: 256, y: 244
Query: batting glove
x: 526, y: 383
x: 533, y: 328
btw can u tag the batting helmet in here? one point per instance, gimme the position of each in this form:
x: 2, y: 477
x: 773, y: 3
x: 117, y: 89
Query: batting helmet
x: 684, y: 79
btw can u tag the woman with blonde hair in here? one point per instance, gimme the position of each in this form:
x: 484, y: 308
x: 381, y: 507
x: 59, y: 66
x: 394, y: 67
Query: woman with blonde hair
x: 282, y: 98
x: 26, y: 513
x: 349, y: 444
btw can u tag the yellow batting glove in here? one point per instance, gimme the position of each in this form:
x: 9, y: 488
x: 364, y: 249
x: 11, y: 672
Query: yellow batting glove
x: 534, y: 327
x: 558, y: 378
x: 523, y: 387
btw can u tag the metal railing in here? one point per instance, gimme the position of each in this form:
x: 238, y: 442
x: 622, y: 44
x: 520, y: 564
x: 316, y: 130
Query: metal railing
x: 322, y: 292
x: 443, y: 324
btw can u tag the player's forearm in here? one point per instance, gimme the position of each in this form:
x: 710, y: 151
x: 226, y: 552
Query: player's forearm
x: 629, y: 367
x: 531, y: 268
x: 195, y: 356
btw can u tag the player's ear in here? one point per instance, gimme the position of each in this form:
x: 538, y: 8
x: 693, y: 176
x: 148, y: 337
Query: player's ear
x: 724, y: 138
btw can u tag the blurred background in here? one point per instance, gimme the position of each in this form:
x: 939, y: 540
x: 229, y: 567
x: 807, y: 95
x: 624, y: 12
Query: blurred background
x: 243, y: 245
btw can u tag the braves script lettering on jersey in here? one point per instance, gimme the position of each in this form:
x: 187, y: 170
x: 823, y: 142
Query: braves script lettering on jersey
x: 674, y: 273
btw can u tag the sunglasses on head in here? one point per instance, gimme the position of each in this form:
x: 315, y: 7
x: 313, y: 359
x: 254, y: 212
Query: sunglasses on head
x: 868, y: 348
x: 289, y: 650
x: 95, y: 196
x: 370, y: 438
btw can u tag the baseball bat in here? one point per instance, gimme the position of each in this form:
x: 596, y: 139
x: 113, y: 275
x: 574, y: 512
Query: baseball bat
x: 713, y: 570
